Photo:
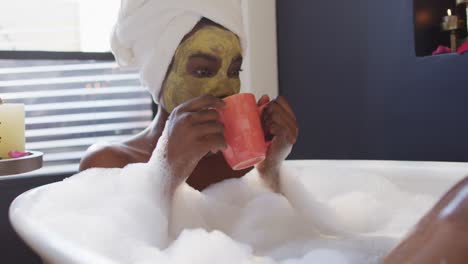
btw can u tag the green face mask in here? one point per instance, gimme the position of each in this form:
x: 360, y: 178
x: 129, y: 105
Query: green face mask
x: 208, y: 62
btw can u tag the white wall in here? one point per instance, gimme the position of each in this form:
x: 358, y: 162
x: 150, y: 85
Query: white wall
x: 260, y: 74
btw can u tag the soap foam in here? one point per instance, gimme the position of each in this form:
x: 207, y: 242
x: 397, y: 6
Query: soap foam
x: 127, y: 216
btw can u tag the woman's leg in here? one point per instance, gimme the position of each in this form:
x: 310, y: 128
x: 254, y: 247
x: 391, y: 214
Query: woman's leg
x: 441, y: 236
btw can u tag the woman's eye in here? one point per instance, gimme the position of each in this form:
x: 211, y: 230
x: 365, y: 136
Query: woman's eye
x: 203, y: 72
x: 235, y: 73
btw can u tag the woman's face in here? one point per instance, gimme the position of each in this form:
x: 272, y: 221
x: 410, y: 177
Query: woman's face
x: 208, y: 62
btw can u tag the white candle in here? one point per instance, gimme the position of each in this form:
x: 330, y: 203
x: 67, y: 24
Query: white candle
x: 450, y: 22
x: 11, y: 128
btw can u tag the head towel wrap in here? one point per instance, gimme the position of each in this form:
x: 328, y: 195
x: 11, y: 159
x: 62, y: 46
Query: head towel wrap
x: 148, y: 32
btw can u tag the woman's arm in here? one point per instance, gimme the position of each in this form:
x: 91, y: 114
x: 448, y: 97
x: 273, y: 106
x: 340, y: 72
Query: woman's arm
x: 270, y: 174
x: 279, y: 123
x: 192, y: 130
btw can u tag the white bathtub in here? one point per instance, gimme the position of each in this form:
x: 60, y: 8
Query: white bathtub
x: 432, y: 178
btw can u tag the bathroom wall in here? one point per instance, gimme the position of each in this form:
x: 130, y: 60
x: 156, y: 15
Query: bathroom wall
x: 260, y: 66
x: 350, y: 71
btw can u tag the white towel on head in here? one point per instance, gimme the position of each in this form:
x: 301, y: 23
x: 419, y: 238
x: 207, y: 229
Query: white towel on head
x: 148, y: 32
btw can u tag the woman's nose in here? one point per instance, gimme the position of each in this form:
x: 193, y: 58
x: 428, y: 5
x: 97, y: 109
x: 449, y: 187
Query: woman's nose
x: 224, y: 88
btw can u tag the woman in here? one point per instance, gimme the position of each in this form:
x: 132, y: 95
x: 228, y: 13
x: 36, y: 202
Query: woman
x: 205, y: 68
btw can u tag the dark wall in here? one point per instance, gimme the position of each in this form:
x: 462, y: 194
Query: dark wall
x: 350, y: 71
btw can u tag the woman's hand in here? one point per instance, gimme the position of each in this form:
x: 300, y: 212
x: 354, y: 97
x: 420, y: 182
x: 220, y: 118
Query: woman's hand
x: 280, y: 125
x: 193, y: 130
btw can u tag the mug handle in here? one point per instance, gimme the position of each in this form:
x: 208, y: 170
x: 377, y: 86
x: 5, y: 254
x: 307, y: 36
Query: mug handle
x: 260, y: 111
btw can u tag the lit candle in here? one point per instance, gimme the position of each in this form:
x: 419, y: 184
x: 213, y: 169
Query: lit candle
x: 450, y: 22
x: 11, y: 128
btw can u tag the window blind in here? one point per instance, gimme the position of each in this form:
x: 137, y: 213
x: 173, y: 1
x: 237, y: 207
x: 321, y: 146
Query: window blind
x: 71, y: 105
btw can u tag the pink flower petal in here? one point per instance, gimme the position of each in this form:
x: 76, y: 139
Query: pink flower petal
x: 463, y: 48
x: 441, y: 50
x: 17, y: 154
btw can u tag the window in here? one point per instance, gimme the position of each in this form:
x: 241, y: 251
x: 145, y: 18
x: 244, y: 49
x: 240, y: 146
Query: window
x: 57, y: 63
x: 54, y: 57
x: 57, y: 25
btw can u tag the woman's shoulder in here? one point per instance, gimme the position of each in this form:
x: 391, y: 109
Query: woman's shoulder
x: 105, y: 155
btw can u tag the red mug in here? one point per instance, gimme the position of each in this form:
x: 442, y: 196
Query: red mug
x: 246, y: 145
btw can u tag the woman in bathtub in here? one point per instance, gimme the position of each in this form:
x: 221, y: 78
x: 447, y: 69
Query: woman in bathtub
x: 189, y: 63
x: 205, y: 68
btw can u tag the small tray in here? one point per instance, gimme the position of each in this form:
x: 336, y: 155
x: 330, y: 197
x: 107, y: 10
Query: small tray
x: 21, y: 165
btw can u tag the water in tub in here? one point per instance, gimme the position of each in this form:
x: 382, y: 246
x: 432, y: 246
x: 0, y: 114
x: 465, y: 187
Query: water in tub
x: 127, y: 216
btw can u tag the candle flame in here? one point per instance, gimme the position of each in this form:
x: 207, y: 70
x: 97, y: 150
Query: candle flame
x: 449, y: 12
